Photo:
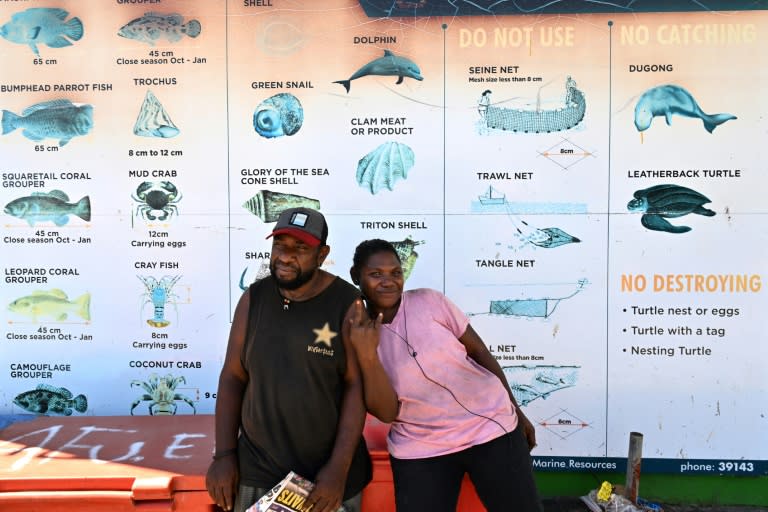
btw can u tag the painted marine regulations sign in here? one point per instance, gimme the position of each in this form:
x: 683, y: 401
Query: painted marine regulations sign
x: 585, y: 180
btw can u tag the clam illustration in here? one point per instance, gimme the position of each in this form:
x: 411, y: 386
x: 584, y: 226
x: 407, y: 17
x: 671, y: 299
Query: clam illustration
x: 384, y: 166
x: 278, y: 115
x: 661, y: 202
x: 153, y: 120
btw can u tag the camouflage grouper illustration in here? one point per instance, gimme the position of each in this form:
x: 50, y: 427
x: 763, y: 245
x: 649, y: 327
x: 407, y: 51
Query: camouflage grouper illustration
x: 661, y: 202
x: 51, y: 401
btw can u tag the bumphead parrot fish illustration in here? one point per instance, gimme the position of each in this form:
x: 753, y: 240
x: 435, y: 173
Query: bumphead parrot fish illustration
x: 666, y: 100
x: 388, y: 65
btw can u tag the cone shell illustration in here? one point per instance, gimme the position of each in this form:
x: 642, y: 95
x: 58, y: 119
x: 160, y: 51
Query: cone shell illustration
x: 384, y: 166
x: 153, y: 120
x: 268, y: 205
x: 278, y: 115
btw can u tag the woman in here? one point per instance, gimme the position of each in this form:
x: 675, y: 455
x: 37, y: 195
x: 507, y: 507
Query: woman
x: 428, y: 372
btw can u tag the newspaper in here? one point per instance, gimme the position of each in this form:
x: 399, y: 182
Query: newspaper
x: 287, y: 496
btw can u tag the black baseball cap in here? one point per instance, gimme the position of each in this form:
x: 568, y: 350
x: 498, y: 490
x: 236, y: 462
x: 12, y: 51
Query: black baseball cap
x: 306, y: 224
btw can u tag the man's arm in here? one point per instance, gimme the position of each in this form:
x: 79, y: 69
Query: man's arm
x: 477, y: 350
x: 223, y: 476
x: 331, y: 479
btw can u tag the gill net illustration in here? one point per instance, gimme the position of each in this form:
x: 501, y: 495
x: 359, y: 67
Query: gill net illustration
x: 537, y: 120
x: 541, y: 307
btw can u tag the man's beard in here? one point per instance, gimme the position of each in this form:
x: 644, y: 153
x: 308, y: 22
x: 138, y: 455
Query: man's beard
x: 297, y: 282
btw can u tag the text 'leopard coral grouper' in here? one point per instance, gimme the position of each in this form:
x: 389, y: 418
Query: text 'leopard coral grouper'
x: 42, y: 25
x: 56, y: 119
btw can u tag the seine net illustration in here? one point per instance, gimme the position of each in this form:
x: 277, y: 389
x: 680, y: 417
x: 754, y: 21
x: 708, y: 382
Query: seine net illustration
x: 536, y: 120
x: 161, y: 395
x: 42, y: 25
x: 153, y: 26
x: 53, y: 206
x: 268, y: 205
x: 56, y: 119
x: 49, y: 400
x: 159, y: 293
x: 539, y: 307
x: 529, y: 383
x: 384, y: 166
x: 278, y: 115
x: 52, y: 305
x: 388, y: 65
x: 667, y: 201
x: 668, y: 100
x: 153, y: 120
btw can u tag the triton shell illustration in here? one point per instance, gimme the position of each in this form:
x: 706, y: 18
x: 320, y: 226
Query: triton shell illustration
x: 666, y: 100
x: 408, y: 256
x: 384, y: 166
x: 661, y: 202
x: 51, y: 206
x: 51, y: 401
x: 153, y: 120
x: 278, y: 115
x: 56, y: 119
x: 268, y: 205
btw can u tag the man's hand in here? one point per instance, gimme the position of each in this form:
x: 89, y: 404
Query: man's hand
x: 222, y: 480
x: 328, y: 492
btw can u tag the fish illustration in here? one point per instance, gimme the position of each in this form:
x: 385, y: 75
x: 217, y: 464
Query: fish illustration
x: 50, y: 400
x: 42, y: 25
x: 152, y: 26
x: 53, y: 303
x: 666, y: 100
x: 56, y: 119
x: 388, y: 65
x: 53, y: 206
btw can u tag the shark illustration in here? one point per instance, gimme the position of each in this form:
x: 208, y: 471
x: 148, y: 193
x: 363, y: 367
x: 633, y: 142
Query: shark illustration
x: 388, y: 65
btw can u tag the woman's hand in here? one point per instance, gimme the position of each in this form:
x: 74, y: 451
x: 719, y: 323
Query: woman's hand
x: 364, y: 332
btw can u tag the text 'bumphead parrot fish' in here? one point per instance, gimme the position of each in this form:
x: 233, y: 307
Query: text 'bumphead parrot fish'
x: 55, y: 119
x: 666, y: 100
x: 153, y: 26
x: 42, y: 25
x: 388, y: 65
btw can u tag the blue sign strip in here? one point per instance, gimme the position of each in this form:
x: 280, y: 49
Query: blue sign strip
x: 666, y: 466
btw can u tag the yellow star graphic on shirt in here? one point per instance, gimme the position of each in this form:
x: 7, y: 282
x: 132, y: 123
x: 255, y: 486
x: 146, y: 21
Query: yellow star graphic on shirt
x: 325, y: 335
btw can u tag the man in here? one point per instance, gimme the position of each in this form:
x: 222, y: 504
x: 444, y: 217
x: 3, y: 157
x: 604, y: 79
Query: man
x: 290, y: 392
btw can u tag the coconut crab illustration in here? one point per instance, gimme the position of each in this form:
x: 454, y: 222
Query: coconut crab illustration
x: 162, y: 395
x: 159, y: 293
x: 156, y: 200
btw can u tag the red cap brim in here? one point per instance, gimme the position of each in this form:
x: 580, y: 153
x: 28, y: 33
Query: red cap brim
x: 297, y: 233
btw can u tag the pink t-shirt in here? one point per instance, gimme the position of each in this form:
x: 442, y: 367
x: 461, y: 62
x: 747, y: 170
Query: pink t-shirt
x: 431, y: 421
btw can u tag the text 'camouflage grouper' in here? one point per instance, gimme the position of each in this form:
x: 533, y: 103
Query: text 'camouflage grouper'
x: 388, y: 65
x: 51, y: 206
x: 666, y: 100
x: 56, y: 119
x: 667, y: 201
x: 51, y: 401
x: 153, y: 26
x: 53, y: 303
x: 42, y: 25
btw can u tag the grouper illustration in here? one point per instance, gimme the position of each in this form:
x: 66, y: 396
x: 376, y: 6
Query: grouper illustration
x: 388, y: 65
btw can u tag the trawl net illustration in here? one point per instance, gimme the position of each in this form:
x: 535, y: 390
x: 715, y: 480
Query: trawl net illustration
x: 535, y: 120
x: 542, y: 307
x: 531, y: 382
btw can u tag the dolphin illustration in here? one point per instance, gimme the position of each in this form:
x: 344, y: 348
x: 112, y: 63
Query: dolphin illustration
x: 666, y: 100
x: 388, y: 65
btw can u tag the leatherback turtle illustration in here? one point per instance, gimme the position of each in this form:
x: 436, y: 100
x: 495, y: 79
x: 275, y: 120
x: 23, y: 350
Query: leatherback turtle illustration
x: 661, y: 202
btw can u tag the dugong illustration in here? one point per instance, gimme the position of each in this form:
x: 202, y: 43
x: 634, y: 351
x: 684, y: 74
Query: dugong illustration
x: 666, y: 100
x: 388, y: 65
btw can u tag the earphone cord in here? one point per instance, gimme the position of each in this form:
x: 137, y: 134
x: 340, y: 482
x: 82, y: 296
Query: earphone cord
x: 412, y: 353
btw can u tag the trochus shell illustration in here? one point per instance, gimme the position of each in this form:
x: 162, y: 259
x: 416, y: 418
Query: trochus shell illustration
x: 278, y: 115
x: 268, y: 205
x: 153, y: 120
x: 384, y: 166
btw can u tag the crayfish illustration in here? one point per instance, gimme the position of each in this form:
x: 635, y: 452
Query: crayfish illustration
x: 159, y: 293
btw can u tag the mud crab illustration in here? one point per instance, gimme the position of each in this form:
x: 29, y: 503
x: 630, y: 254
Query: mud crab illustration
x: 159, y: 293
x: 156, y: 200
x: 161, y: 393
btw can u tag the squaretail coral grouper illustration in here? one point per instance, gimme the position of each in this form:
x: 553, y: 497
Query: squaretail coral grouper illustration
x: 53, y: 303
x: 388, y: 65
x: 51, y: 401
x: 48, y: 206
x: 153, y: 26
x: 56, y: 119
x: 42, y: 25
x: 667, y: 100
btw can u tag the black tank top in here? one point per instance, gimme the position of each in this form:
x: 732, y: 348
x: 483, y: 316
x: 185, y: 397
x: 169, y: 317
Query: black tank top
x: 295, y: 360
